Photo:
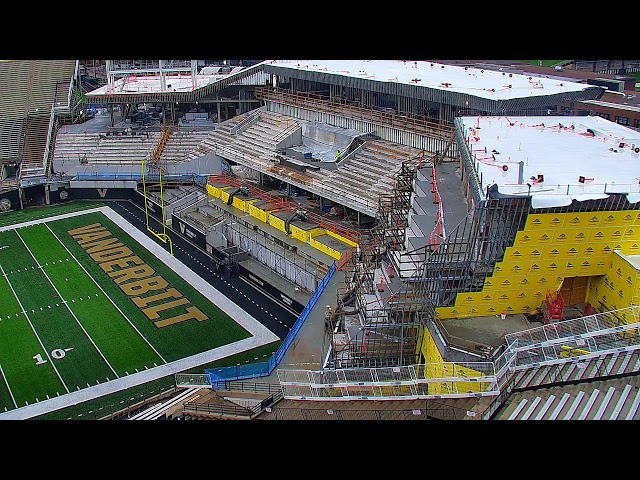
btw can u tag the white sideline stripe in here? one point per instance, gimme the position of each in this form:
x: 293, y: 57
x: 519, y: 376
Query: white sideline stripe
x: 49, y: 219
x: 8, y: 387
x: 261, y: 334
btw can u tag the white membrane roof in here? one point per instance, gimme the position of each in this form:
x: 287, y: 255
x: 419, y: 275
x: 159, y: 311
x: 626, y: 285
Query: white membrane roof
x: 175, y: 82
x: 579, y: 157
x: 491, y: 84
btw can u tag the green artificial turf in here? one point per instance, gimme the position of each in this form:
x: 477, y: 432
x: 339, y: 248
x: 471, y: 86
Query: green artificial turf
x: 65, y: 324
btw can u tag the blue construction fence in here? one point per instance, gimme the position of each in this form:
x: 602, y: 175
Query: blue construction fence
x: 219, y: 376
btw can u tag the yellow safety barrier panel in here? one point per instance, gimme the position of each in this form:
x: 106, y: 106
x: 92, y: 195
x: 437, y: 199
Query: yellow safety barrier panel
x: 299, y: 233
x: 277, y: 222
x: 341, y: 238
x: 258, y: 213
x: 325, y: 249
x: 567, y: 351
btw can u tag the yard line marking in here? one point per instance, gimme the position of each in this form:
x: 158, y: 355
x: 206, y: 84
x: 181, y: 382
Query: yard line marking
x: 105, y: 294
x: 8, y: 387
x: 68, y: 307
x: 33, y: 329
x: 38, y: 221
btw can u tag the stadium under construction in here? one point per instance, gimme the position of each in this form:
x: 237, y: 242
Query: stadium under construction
x: 449, y: 197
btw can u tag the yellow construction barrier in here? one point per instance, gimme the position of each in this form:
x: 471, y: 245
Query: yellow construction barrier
x: 276, y: 222
x: 325, y: 249
x: 258, y: 213
x: 567, y: 351
x: 300, y: 234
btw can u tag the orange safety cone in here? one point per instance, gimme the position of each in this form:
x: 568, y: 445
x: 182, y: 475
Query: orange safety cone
x: 380, y: 287
x: 391, y: 271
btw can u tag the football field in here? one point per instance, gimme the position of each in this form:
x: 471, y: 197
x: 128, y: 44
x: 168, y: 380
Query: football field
x: 90, y: 305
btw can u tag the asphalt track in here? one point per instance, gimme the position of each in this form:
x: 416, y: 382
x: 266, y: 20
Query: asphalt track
x: 273, y: 315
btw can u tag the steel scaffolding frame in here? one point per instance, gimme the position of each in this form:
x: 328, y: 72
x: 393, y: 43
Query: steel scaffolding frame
x: 374, y: 326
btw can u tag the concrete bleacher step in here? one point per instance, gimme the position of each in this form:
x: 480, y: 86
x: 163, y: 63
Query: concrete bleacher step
x: 354, y: 180
x: 425, y: 206
x: 423, y: 225
x: 615, y: 363
x: 123, y: 149
x: 416, y: 243
x: 361, y: 193
x: 374, y: 164
x: 423, y: 175
x: 359, y: 172
x: 423, y: 188
x: 572, y: 404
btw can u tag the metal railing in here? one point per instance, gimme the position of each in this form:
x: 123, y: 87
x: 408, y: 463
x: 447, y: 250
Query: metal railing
x: 403, y: 120
x: 420, y: 381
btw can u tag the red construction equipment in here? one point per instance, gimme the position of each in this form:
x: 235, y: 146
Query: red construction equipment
x: 553, y: 307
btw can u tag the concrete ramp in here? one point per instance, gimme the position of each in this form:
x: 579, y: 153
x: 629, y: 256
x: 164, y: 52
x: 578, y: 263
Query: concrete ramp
x: 323, y: 141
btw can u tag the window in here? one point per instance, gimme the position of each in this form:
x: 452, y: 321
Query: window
x: 622, y: 120
x: 603, y: 115
x: 636, y: 123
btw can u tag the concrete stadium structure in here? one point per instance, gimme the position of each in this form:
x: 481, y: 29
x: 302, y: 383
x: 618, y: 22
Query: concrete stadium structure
x: 484, y: 246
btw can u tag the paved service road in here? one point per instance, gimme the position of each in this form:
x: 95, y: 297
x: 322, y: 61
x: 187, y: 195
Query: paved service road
x: 256, y: 303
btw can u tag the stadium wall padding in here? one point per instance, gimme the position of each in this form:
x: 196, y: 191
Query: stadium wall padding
x: 10, y: 201
x: 189, y: 232
x: 271, y: 290
x: 94, y: 194
x: 153, y: 208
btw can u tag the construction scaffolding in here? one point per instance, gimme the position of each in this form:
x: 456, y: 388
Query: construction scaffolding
x: 380, y: 317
